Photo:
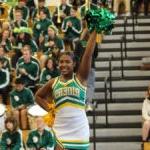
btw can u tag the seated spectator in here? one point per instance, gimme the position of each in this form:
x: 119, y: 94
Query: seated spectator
x: 40, y: 26
x: 41, y: 138
x: 5, y: 59
x: 5, y: 40
x: 11, y: 138
x: 28, y: 70
x: 72, y: 28
x: 51, y: 45
x: 21, y: 6
x: 146, y: 116
x: 41, y: 6
x: 117, y: 3
x: 23, y: 37
x: 49, y: 71
x: 4, y: 82
x: 64, y: 11
x: 20, y: 98
x: 18, y: 21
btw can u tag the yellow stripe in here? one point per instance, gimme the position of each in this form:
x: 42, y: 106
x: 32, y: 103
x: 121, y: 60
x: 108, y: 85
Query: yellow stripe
x: 82, y: 86
x: 69, y: 104
x: 56, y: 79
x: 66, y: 83
x: 73, y: 141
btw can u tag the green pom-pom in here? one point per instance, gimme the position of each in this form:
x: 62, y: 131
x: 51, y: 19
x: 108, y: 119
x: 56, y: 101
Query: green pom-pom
x: 101, y: 20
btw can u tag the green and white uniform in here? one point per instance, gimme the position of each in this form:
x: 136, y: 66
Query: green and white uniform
x: 24, y: 97
x: 46, y: 140
x: 71, y: 124
x: 10, y: 141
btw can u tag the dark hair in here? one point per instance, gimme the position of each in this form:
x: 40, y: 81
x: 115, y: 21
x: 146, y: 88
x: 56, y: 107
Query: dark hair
x: 43, y: 10
x: 53, y: 60
x: 75, y: 8
x: 12, y: 120
x: 19, y: 81
x: 29, y: 48
x: 68, y: 53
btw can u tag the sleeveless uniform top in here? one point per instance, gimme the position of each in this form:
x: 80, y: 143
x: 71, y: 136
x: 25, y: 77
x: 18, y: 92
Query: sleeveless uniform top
x: 71, y: 125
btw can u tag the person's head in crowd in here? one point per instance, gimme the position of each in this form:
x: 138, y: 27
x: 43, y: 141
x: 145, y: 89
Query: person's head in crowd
x: 52, y: 31
x: 73, y: 11
x: 42, y: 14
x: 41, y: 3
x: 5, y: 34
x: 18, y: 15
x: 67, y: 63
x: 11, y: 124
x: 2, y: 51
x: 22, y: 3
x: 19, y: 84
x: 26, y: 53
x: 6, y: 25
x: 24, y: 36
x: 40, y: 123
x: 63, y: 2
x: 50, y: 64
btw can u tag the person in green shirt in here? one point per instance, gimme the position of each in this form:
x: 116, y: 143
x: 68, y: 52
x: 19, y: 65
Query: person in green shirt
x: 21, y: 6
x: 40, y: 26
x: 28, y: 70
x: 49, y: 71
x: 41, y: 5
x: 51, y: 44
x: 5, y: 40
x: 4, y: 82
x: 23, y: 38
x: 72, y: 28
x: 18, y: 20
x: 11, y: 138
x: 5, y: 59
x: 64, y: 11
x: 41, y: 138
x: 20, y: 98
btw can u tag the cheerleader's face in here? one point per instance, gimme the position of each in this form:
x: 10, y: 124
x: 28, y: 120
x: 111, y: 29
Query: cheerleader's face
x: 10, y: 126
x: 66, y: 65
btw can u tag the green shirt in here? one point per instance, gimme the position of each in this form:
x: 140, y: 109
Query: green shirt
x: 13, y: 138
x: 4, y: 78
x: 47, y: 74
x: 40, y: 27
x: 7, y: 46
x: 58, y: 44
x: 6, y: 62
x: 24, y: 97
x: 75, y: 30
x: 17, y: 24
x: 33, y: 71
x: 35, y: 140
x: 25, y: 12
